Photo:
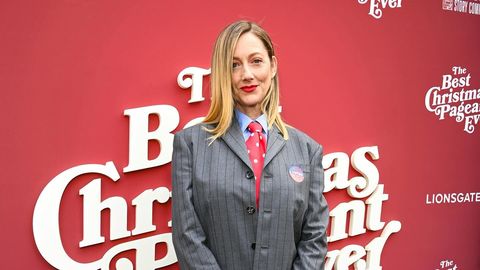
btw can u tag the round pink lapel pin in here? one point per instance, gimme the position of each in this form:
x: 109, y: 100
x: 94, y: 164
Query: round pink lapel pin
x: 296, y: 173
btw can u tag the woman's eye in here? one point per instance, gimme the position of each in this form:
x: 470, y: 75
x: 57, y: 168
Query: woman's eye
x: 234, y: 65
x: 257, y: 61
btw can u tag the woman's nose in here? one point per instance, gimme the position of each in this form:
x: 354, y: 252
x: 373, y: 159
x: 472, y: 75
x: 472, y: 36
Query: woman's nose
x: 247, y: 73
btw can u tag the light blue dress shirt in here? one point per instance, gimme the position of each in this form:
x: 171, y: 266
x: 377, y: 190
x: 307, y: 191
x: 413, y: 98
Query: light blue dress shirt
x: 244, y: 121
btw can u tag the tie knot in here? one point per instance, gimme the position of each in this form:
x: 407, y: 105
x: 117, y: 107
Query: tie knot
x: 254, y: 126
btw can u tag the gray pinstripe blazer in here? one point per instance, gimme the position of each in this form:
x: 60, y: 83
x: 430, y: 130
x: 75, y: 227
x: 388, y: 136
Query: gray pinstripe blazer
x: 216, y: 224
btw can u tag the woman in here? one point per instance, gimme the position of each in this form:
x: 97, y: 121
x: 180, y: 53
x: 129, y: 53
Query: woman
x: 247, y: 189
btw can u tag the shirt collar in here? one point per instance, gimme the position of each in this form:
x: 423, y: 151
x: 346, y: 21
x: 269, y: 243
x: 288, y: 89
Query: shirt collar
x: 244, y: 120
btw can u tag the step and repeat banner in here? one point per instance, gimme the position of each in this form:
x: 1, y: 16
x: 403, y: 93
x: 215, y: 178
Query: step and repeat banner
x: 93, y: 91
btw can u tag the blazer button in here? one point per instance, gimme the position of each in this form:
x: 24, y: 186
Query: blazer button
x: 250, y: 210
x: 249, y: 174
x: 253, y: 245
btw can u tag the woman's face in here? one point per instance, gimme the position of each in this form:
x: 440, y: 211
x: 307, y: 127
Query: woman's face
x: 252, y: 74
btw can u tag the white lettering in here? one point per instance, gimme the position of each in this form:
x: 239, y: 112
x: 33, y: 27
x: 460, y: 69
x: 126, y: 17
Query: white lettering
x: 363, y: 186
x: 145, y: 254
x: 375, y: 247
x: 440, y: 198
x: 92, y: 208
x: 460, y: 6
x: 470, y: 122
x: 338, y: 224
x: 474, y: 8
x: 46, y: 229
x: 144, y: 208
x: 374, y: 209
x: 336, y: 176
x: 195, y: 82
x: 353, y: 254
x: 139, y: 136
x: 428, y: 98
x: 376, y: 6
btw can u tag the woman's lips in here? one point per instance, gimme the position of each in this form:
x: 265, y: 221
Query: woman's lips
x: 249, y: 88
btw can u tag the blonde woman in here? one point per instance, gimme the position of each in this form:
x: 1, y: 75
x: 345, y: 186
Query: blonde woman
x: 247, y: 188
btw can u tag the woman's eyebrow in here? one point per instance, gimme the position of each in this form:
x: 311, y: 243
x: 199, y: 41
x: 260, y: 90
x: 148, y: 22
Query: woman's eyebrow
x: 250, y: 55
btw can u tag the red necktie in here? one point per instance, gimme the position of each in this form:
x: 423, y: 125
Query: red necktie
x: 256, y: 152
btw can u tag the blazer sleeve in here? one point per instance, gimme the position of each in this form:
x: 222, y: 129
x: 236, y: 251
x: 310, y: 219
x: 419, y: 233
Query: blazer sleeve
x: 312, y: 247
x: 188, y: 235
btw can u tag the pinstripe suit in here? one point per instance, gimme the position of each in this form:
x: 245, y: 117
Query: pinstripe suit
x: 215, y: 221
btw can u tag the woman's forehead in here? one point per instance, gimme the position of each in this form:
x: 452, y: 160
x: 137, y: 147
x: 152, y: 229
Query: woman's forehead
x: 249, y: 44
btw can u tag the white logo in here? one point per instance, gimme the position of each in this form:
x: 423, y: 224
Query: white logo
x: 377, y: 6
x: 448, y: 4
x: 462, y: 6
x: 447, y: 265
x: 455, y: 98
x: 461, y: 197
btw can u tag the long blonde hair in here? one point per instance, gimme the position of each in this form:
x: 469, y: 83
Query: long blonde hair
x: 222, y: 104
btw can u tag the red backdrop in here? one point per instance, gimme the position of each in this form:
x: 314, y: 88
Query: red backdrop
x: 69, y: 69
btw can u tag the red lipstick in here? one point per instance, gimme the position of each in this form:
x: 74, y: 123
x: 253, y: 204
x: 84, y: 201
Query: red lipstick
x: 249, y: 88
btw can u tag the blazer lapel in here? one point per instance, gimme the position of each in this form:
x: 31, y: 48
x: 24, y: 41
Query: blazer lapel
x: 235, y: 141
x: 275, y: 143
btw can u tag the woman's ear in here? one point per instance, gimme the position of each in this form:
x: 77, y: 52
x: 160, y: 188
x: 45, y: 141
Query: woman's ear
x: 274, y: 66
